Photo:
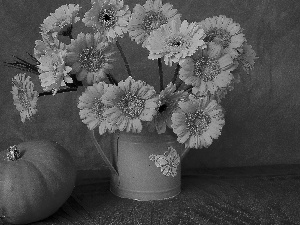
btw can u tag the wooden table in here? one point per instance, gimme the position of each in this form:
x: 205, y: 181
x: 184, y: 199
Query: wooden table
x: 245, y: 195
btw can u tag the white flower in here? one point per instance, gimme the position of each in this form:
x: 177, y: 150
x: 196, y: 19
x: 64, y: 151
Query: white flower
x: 130, y: 103
x: 207, y: 71
x: 225, y: 32
x: 53, y: 71
x: 109, y: 17
x: 61, y: 20
x: 198, y: 122
x: 48, y: 44
x: 25, y: 98
x: 90, y: 57
x: 247, y: 57
x: 92, y: 108
x: 175, y: 41
x: 149, y: 17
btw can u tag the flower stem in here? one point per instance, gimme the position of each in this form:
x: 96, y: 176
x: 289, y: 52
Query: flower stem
x: 178, y: 84
x: 176, y: 72
x: 188, y: 88
x: 161, y: 74
x: 111, y: 79
x: 124, y: 58
x: 59, y: 91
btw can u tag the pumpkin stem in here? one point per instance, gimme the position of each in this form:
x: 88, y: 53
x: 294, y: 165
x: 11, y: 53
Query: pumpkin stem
x: 13, y: 153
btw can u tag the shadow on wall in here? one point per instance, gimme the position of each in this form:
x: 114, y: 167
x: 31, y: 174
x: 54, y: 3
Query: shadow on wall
x: 262, y: 112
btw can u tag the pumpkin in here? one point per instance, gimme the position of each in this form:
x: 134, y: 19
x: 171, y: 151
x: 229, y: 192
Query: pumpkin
x: 36, y: 178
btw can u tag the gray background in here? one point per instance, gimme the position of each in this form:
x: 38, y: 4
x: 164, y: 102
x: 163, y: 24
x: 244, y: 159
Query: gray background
x: 262, y: 112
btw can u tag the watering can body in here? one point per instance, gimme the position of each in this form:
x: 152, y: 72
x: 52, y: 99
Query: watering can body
x: 145, y: 166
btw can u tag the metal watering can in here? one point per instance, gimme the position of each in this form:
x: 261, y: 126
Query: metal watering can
x: 144, y: 166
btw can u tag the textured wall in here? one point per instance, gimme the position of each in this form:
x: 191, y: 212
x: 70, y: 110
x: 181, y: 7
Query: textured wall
x: 262, y: 112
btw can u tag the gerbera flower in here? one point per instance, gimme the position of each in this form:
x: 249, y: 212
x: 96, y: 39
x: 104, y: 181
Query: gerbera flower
x: 167, y: 103
x: 197, y: 123
x: 40, y: 48
x: 149, y: 17
x: 130, y: 103
x: 109, y: 17
x: 49, y: 43
x: 92, y: 108
x: 61, y: 21
x: 247, y: 57
x: 53, y: 70
x: 89, y: 57
x: 206, y: 70
x: 25, y: 98
x: 225, y: 32
x: 174, y: 41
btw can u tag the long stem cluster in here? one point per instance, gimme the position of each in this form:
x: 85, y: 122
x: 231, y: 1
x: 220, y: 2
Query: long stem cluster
x: 59, y: 91
x: 33, y: 68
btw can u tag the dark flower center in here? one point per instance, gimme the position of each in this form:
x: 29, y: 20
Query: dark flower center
x: 177, y: 43
x: 66, y: 30
x: 162, y: 108
x: 107, y: 17
x: 65, y: 34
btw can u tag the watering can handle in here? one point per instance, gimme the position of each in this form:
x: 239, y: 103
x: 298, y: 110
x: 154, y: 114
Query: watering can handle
x: 101, y: 152
x: 185, y: 151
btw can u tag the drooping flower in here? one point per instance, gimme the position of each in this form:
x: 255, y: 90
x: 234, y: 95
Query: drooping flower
x: 175, y: 41
x: 49, y: 43
x: 223, y: 31
x: 130, y: 103
x: 53, y: 71
x: 197, y: 123
x: 247, y: 57
x: 61, y: 21
x: 90, y: 57
x: 167, y: 103
x: 149, y: 17
x: 206, y: 70
x: 92, y: 108
x: 109, y: 17
x: 24, y: 96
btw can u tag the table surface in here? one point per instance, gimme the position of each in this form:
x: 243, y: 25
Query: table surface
x: 245, y: 195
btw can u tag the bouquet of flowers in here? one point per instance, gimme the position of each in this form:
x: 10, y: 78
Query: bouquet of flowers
x: 209, y: 56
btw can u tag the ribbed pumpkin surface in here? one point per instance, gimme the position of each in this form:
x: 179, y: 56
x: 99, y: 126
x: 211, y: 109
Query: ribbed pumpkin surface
x: 37, y: 184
